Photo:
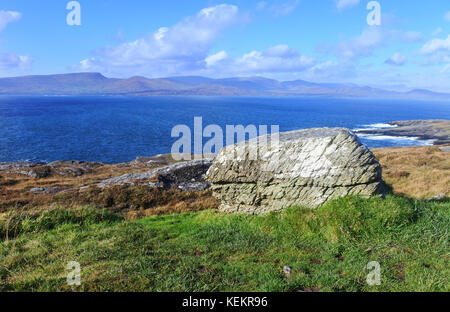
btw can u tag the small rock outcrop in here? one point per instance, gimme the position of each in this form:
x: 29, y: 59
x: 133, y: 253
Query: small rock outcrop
x: 47, y: 190
x: 306, y: 168
x: 154, y: 161
x: 41, y: 170
x: 186, y: 176
x: 18, y: 165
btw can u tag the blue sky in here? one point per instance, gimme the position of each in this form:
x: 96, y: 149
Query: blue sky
x: 316, y: 40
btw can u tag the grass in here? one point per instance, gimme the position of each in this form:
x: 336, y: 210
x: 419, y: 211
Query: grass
x: 327, y: 249
x: 141, y: 239
x: 416, y: 172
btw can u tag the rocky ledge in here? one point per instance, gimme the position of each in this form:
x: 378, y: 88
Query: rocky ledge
x: 58, y: 176
x: 436, y: 130
x: 186, y: 176
x: 307, y: 168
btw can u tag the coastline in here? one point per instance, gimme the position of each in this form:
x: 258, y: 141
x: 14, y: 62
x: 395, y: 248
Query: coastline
x: 436, y: 132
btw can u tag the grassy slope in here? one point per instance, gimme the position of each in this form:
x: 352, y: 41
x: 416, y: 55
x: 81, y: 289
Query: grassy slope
x: 327, y: 248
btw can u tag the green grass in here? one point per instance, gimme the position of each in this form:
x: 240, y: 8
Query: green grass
x: 327, y: 249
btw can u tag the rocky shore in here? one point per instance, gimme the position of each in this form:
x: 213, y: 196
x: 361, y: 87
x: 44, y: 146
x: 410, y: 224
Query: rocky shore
x: 436, y: 130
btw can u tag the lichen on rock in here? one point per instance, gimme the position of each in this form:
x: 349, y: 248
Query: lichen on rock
x: 306, y: 168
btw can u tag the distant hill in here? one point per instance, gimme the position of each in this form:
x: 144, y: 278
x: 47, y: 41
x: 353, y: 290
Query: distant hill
x: 97, y: 84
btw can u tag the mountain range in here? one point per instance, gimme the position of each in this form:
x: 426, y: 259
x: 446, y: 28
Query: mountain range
x: 97, y: 84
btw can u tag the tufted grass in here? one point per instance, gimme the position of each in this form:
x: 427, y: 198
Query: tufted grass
x: 416, y: 172
x: 327, y: 249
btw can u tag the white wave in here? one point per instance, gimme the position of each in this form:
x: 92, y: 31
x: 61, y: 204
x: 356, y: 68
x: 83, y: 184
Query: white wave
x: 397, y: 139
x: 381, y: 125
x: 375, y: 126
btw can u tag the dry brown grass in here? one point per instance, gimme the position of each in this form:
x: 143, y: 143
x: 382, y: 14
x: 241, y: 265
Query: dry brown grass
x: 135, y: 201
x: 416, y: 172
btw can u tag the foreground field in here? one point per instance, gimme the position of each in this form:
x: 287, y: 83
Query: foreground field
x: 327, y: 249
x: 133, y: 238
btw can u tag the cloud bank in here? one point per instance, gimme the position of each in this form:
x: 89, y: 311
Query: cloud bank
x: 185, y: 48
x: 7, y: 17
x: 180, y: 48
x: 346, y: 4
x: 396, y: 59
x: 10, y: 62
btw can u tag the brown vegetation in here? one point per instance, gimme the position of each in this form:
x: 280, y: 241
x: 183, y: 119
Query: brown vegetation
x: 416, y: 172
x: 131, y: 201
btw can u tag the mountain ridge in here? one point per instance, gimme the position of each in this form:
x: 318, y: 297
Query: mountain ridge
x: 98, y: 84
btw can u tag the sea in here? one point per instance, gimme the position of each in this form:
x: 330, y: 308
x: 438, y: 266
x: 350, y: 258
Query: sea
x: 113, y: 129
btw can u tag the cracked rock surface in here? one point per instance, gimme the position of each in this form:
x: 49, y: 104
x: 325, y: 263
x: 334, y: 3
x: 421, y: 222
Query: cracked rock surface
x: 187, y: 176
x: 307, y: 168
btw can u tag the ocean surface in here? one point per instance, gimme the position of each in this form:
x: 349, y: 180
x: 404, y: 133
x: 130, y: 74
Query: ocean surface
x: 118, y: 129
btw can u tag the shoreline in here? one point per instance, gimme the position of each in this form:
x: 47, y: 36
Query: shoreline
x: 437, y: 131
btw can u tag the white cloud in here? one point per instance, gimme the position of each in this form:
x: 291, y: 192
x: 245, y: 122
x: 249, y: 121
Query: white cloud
x: 436, y: 45
x: 274, y: 60
x: 170, y: 50
x: 446, y: 69
x: 285, y: 8
x: 261, y: 5
x: 279, y: 8
x: 407, y: 36
x: 361, y: 45
x: 280, y: 58
x: 396, y: 59
x: 7, y: 17
x: 346, y: 4
x: 10, y: 62
x: 215, y: 58
x: 372, y: 38
x: 437, y: 31
x: 438, y: 50
x: 184, y: 49
x: 447, y: 16
x: 13, y: 62
x: 331, y: 71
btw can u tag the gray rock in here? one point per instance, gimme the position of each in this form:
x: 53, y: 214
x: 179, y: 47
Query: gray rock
x: 287, y: 271
x: 438, y: 197
x: 187, y: 176
x: 75, y: 163
x: 18, y: 165
x: 126, y: 179
x: 38, y: 172
x: 46, y: 190
x: 306, y: 168
x: 158, y: 160
x: 73, y: 168
x: 72, y: 171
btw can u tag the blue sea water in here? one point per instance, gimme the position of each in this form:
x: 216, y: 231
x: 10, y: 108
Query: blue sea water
x: 116, y: 128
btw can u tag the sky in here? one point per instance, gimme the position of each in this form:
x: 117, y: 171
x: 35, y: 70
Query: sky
x: 314, y: 40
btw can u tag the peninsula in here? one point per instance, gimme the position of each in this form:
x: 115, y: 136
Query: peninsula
x: 436, y: 130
